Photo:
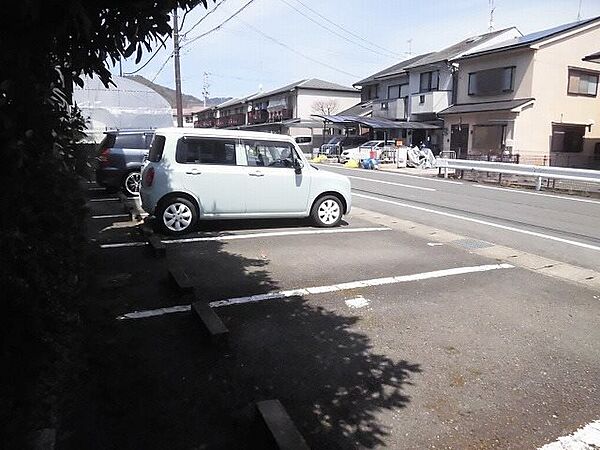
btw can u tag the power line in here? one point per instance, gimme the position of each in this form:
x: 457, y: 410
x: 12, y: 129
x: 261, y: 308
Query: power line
x: 145, y: 64
x: 183, y: 35
x: 162, y: 67
x: 346, y: 30
x: 218, y: 26
x: 335, y: 32
x: 310, y: 58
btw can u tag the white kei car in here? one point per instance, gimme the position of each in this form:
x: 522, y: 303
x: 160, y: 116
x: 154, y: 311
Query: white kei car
x: 197, y: 173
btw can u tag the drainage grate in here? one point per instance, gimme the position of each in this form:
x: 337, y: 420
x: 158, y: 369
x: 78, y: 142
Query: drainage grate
x: 472, y: 243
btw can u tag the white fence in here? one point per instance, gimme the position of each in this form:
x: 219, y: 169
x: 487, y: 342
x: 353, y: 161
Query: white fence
x: 537, y: 172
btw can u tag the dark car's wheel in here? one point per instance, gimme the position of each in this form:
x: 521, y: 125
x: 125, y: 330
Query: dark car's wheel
x: 327, y: 211
x: 177, y: 215
x: 131, y: 183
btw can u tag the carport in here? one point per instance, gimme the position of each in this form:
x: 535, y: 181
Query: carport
x: 386, y: 128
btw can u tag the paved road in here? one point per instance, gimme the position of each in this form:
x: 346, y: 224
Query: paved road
x: 564, y: 228
x: 374, y: 334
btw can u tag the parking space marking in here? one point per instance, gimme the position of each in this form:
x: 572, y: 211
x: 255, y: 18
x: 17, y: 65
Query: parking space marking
x: 124, y: 244
x: 392, y: 183
x: 233, y: 237
x: 112, y: 199
x: 518, y: 191
x: 586, y: 438
x: 111, y: 216
x: 483, y: 222
x: 96, y: 188
x: 323, y: 289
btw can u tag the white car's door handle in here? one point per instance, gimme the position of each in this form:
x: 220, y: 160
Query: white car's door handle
x: 193, y: 172
x: 256, y: 174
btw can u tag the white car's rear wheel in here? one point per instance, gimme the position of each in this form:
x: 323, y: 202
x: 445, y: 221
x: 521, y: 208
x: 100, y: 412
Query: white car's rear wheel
x: 177, y: 216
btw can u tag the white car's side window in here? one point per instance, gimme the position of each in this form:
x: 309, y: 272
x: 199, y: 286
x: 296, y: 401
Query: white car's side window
x: 269, y: 154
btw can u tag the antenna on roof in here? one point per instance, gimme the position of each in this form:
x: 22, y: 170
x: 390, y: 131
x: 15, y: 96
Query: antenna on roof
x: 492, y: 8
x: 579, y: 12
x: 409, y: 52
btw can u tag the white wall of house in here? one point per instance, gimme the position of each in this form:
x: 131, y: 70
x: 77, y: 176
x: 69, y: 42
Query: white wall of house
x: 307, y: 98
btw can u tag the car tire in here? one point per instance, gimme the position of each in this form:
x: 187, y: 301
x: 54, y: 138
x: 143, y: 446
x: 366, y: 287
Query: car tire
x: 327, y: 211
x: 177, y: 216
x: 131, y: 183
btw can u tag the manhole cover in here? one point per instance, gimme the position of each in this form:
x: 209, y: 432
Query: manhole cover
x: 472, y: 243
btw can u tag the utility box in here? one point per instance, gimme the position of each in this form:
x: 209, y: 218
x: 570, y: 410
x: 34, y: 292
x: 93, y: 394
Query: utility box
x: 401, y: 155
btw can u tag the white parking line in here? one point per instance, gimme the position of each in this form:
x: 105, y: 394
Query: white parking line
x: 518, y: 191
x: 322, y: 289
x: 111, y: 216
x: 586, y: 438
x: 392, y: 183
x: 95, y: 188
x: 233, y: 237
x: 483, y: 222
x: 112, y: 199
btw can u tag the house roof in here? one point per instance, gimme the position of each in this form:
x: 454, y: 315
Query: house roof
x: 310, y: 83
x: 532, y: 38
x: 396, y: 69
x: 594, y: 57
x: 360, y: 109
x: 457, y: 50
x: 504, y: 105
x: 234, y: 101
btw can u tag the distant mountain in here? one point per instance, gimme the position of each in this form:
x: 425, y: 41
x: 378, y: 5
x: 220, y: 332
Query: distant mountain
x: 189, y: 101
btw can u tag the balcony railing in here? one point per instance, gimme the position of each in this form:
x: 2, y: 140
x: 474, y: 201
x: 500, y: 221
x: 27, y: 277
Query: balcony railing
x: 282, y: 114
x: 258, y: 116
x: 231, y: 120
x: 205, y: 123
x: 430, y: 102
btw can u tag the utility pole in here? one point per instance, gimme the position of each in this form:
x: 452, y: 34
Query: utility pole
x: 177, y: 70
x: 205, y: 87
x: 579, y: 12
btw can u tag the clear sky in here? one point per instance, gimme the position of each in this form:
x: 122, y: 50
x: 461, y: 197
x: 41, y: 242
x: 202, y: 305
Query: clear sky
x: 270, y: 44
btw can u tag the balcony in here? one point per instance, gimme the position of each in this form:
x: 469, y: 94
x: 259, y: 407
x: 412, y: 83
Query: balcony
x: 258, y: 116
x: 205, y: 123
x: 430, y: 102
x: 393, y: 109
x: 232, y: 120
x: 282, y: 114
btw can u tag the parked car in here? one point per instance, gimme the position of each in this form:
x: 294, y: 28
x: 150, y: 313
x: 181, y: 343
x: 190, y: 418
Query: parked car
x: 196, y: 173
x: 364, y: 150
x: 305, y: 143
x: 120, y: 159
x: 337, y: 144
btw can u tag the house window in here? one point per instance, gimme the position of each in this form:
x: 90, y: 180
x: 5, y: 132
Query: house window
x: 372, y: 92
x: 393, y: 91
x: 429, y: 81
x: 491, y: 81
x: 488, y: 138
x: 582, y: 83
x: 567, y: 138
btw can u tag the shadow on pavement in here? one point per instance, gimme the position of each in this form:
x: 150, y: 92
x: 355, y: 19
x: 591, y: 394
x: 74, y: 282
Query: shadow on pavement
x: 157, y: 383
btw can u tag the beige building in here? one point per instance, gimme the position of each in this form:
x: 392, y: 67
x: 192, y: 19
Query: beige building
x: 534, y: 96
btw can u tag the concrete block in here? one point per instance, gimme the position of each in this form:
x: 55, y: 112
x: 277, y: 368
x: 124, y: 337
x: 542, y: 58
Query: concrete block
x: 211, y: 323
x: 159, y: 248
x: 280, y: 426
x: 181, y: 278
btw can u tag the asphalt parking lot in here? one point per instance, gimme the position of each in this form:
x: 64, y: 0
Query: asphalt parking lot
x: 370, y: 336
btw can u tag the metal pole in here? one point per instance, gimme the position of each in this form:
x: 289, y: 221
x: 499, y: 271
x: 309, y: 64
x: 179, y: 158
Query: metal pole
x: 177, y: 70
x: 538, y: 184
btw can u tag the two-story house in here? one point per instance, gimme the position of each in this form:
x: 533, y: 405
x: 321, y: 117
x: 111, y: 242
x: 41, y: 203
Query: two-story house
x: 285, y: 110
x: 535, y: 96
x: 416, y: 89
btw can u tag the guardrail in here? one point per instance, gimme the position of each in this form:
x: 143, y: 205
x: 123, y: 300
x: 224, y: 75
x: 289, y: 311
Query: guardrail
x: 538, y: 172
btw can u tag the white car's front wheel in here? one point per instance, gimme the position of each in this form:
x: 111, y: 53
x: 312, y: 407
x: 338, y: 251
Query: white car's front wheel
x: 327, y: 211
